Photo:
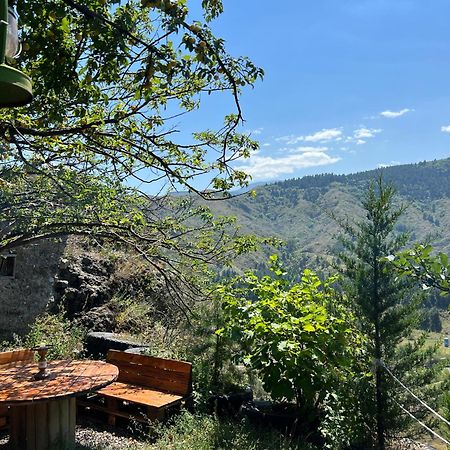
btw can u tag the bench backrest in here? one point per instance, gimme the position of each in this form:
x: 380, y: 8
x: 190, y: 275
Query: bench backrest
x: 165, y: 375
x: 22, y: 355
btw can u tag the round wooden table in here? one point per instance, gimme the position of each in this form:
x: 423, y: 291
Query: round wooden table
x: 43, y: 412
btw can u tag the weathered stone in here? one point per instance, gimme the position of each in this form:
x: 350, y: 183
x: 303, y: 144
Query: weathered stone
x: 101, y: 318
x: 30, y: 292
x: 98, y: 344
x: 60, y: 285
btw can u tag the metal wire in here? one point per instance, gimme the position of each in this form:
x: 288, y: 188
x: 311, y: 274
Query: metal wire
x: 414, y: 395
x: 422, y: 424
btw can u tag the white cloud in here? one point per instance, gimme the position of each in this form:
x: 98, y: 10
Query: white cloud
x: 366, y: 133
x: 307, y: 149
x: 360, y: 135
x: 392, y: 163
x: 268, y: 167
x: 266, y: 144
x: 446, y: 129
x: 285, y: 138
x: 324, y: 135
x: 256, y: 131
x: 394, y: 114
x: 329, y: 134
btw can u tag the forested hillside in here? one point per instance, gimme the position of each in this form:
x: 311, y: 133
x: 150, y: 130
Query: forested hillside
x: 299, y: 210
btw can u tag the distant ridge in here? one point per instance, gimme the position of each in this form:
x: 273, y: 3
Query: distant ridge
x: 427, y: 179
x: 298, y: 210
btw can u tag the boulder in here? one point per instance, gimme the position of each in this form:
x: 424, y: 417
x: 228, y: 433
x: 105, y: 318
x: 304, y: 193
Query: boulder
x: 98, y: 343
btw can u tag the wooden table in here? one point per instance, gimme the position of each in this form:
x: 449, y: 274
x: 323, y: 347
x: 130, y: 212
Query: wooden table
x: 43, y: 412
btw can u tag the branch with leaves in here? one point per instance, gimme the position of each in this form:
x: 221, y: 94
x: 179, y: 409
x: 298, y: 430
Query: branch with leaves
x: 432, y: 270
x: 107, y: 139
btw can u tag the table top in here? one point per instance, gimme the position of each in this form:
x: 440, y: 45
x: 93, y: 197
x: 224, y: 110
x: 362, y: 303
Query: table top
x: 68, y: 378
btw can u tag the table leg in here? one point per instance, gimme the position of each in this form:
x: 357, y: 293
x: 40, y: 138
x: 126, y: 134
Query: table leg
x: 44, y: 425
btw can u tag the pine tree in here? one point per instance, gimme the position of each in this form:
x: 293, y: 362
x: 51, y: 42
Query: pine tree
x: 387, y: 309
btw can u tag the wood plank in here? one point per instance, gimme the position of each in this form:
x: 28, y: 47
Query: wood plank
x: 154, y: 371
x: 53, y: 424
x: 141, y: 395
x: 124, y: 414
x: 150, y: 365
x: 64, y: 419
x: 29, y: 427
x: 72, y: 422
x: 19, y: 355
x: 162, y: 363
x: 112, y: 404
x: 166, y: 385
x: 41, y: 425
x: 17, y: 429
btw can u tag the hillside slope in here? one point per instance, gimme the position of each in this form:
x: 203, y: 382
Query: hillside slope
x: 298, y: 210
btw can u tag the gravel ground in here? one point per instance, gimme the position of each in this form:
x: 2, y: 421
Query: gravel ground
x: 408, y: 444
x: 90, y: 438
x: 98, y: 436
x: 93, y: 435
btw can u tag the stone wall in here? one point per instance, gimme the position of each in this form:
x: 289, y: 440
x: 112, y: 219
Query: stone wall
x: 30, y: 292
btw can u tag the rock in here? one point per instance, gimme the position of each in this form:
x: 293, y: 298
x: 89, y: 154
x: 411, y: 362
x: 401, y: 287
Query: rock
x: 60, y: 285
x: 101, y: 318
x: 84, y: 282
x: 63, y: 263
x: 98, y: 344
x: 138, y: 350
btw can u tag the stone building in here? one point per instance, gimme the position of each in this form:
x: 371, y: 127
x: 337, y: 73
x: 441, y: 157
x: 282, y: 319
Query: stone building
x: 26, y: 285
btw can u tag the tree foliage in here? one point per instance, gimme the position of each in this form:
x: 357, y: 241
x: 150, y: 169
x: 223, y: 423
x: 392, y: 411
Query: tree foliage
x: 433, y: 271
x: 104, y: 140
x: 300, y: 338
x: 387, y: 311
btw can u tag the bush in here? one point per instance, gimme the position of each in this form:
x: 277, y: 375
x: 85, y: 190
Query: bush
x: 301, y: 339
x: 66, y: 337
x: 195, y: 432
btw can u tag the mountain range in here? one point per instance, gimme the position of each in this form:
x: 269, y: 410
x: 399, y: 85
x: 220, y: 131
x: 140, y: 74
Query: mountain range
x: 299, y: 211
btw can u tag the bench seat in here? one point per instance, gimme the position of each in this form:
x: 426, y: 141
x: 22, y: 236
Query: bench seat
x: 141, y: 395
x: 144, y: 382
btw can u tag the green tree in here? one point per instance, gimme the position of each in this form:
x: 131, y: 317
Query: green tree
x: 387, y: 312
x: 300, y: 338
x: 432, y: 270
x: 104, y: 140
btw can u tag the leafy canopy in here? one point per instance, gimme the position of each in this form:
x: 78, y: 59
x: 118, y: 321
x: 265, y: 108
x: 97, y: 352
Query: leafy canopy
x: 432, y: 270
x: 301, y: 339
x: 105, y: 140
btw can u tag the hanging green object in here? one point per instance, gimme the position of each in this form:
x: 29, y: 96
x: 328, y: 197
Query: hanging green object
x: 15, y: 86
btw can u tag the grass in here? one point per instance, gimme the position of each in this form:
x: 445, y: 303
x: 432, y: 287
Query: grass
x: 434, y: 338
x: 202, y: 432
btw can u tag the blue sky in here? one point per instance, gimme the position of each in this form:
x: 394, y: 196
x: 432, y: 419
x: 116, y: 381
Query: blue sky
x: 350, y: 85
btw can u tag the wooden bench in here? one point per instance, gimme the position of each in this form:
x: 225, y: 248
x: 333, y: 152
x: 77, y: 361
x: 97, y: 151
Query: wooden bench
x: 156, y: 384
x: 19, y: 356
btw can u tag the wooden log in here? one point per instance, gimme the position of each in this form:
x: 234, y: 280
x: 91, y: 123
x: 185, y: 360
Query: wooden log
x: 112, y: 404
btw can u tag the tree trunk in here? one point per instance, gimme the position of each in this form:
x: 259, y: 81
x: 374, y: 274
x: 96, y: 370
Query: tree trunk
x: 379, y: 391
x: 380, y: 409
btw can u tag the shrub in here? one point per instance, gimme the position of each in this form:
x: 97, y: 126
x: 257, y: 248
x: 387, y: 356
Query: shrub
x: 199, y: 432
x: 301, y: 339
x: 66, y: 337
